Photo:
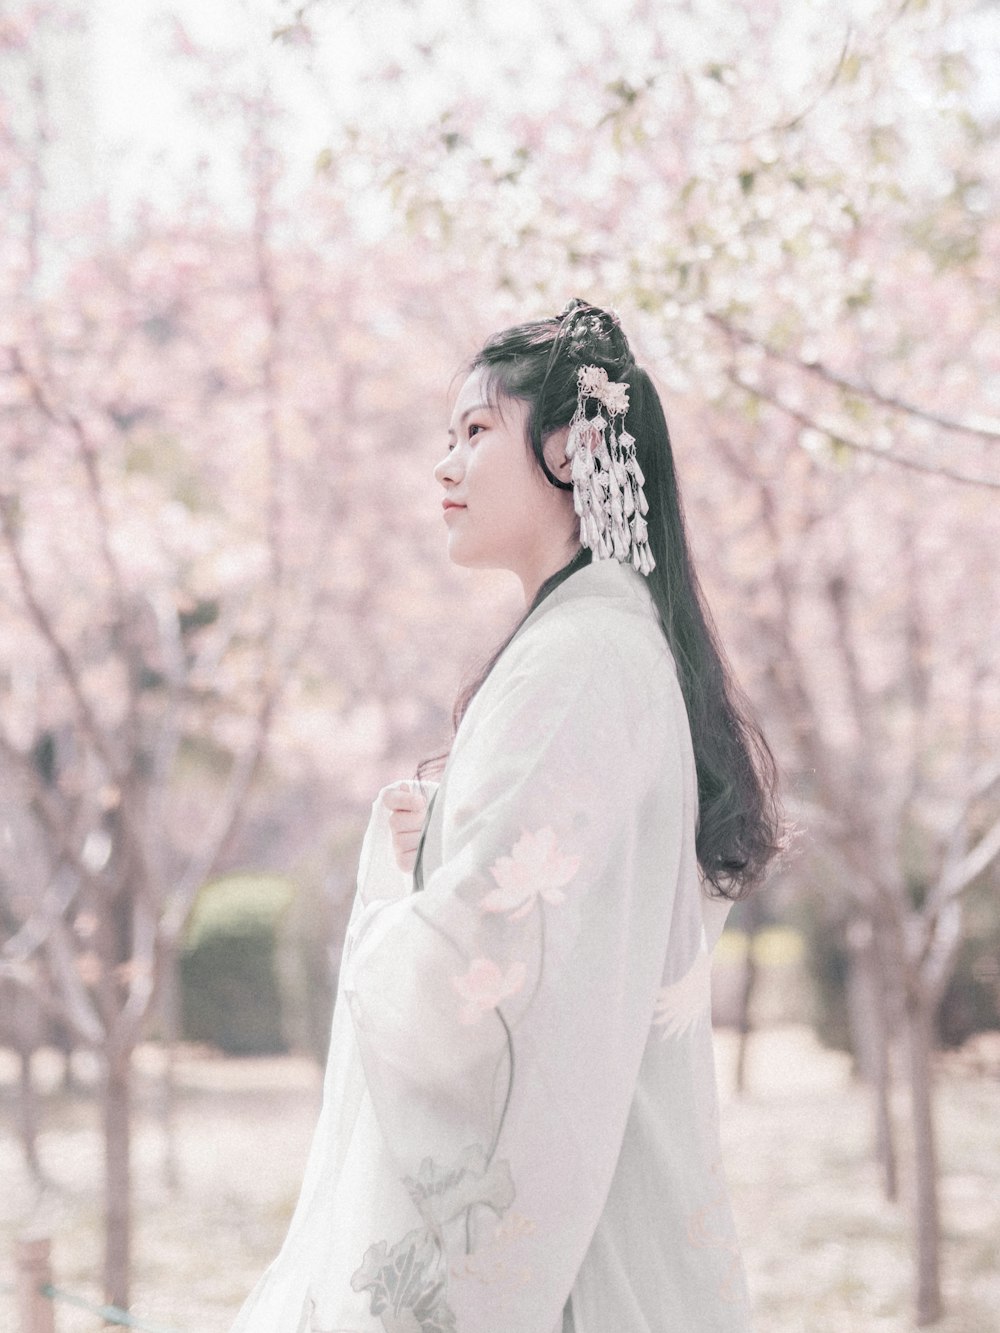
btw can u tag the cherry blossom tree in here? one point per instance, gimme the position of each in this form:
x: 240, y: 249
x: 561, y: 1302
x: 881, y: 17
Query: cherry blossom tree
x: 799, y: 211
x: 876, y: 659
x: 188, y: 520
x: 218, y: 563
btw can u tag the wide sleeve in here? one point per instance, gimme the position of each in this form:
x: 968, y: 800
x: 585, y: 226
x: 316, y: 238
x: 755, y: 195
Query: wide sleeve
x: 501, y: 1013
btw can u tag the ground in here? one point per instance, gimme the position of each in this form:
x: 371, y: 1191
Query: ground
x: 824, y: 1252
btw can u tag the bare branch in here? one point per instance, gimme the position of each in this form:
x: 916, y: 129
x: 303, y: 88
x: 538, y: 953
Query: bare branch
x: 943, y: 946
x: 798, y: 704
x: 77, y: 1007
x: 267, y: 287
x: 228, y: 812
x: 230, y: 807
x: 95, y: 488
x: 984, y: 779
x: 981, y: 783
x: 168, y: 739
x: 43, y: 623
x: 838, y: 437
x: 848, y: 385
x: 916, y: 670
x: 34, y: 932
x: 139, y: 975
x: 837, y: 594
x: 779, y: 127
x: 961, y: 873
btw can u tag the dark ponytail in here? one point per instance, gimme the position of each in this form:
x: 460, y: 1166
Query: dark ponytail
x: 740, y: 826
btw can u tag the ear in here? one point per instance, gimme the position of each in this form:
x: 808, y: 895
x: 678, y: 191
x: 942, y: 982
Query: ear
x: 554, y: 449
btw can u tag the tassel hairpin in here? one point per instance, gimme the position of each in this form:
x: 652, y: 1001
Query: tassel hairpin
x: 608, y: 483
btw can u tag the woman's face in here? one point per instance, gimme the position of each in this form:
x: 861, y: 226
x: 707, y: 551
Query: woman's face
x: 506, y: 515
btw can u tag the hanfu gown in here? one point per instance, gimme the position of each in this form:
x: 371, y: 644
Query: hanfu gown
x: 519, y: 1130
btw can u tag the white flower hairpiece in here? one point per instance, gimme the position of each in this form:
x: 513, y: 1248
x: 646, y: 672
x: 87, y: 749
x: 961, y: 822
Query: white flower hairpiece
x: 608, y: 493
x: 594, y: 383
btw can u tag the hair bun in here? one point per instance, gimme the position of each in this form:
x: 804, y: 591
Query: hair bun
x: 591, y: 334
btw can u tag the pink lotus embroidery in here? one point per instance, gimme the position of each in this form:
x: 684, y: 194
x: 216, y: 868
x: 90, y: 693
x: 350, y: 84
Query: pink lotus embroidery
x: 484, y: 986
x: 535, y: 869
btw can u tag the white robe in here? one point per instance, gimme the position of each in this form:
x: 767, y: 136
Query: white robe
x: 519, y: 1130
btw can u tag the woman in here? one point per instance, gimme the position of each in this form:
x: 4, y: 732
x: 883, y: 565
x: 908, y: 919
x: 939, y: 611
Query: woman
x: 519, y: 1130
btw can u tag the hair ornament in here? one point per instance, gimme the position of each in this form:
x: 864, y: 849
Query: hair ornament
x: 608, y: 494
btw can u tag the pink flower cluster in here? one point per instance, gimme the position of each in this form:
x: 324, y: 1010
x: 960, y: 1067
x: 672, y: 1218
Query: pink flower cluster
x: 535, y: 870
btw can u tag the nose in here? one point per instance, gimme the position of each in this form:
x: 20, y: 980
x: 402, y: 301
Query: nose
x: 449, y: 469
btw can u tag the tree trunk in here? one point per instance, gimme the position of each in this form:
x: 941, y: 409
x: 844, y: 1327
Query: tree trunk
x: 33, y: 1257
x: 25, y: 1029
x: 885, y: 1132
x: 117, y: 1177
x: 64, y: 1043
x: 744, y: 1017
x: 868, y: 1011
x: 28, y: 1107
x: 170, y: 1019
x: 920, y: 1040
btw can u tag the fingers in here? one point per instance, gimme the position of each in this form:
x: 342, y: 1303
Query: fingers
x: 405, y: 847
x: 407, y: 807
x: 406, y: 861
x: 404, y: 796
x: 403, y: 822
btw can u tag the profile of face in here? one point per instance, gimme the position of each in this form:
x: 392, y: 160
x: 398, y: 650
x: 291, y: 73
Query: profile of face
x: 500, y: 509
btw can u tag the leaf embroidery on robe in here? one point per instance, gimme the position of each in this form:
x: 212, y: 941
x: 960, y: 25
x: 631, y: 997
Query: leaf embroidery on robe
x: 681, y: 1004
x: 483, y: 986
x: 408, y: 1285
x: 409, y: 1282
x: 536, y: 868
x: 442, y: 1195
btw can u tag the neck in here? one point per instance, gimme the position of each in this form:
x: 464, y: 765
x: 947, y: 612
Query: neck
x: 532, y: 577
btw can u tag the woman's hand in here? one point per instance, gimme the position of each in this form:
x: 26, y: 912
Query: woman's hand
x: 408, y: 808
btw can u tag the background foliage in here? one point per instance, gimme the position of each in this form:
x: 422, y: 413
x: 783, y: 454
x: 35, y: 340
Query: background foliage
x: 226, y: 614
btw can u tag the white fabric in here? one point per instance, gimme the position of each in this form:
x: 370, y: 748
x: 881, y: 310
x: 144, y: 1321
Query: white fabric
x: 519, y: 1131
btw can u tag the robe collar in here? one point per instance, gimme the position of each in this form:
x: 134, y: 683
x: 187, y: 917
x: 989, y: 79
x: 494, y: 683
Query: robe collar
x: 605, y: 579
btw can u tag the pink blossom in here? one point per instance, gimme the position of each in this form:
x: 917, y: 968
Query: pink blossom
x: 535, y: 869
x: 484, y: 985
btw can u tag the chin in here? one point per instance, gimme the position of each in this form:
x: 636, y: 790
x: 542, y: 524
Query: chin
x: 461, y: 555
x: 468, y: 562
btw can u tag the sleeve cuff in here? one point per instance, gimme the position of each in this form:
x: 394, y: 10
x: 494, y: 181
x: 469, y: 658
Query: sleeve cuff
x: 379, y: 877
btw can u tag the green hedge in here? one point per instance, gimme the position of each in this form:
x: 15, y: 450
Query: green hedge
x: 231, y: 994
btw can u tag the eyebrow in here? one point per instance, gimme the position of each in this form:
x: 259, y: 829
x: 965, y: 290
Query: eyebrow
x: 477, y: 407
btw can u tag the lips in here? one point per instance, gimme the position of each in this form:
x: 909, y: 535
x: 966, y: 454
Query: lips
x: 451, y: 504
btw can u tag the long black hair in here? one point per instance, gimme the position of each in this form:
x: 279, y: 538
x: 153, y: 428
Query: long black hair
x: 740, y: 824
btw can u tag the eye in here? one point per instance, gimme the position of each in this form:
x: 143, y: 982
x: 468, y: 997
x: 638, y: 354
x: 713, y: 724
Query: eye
x: 475, y: 426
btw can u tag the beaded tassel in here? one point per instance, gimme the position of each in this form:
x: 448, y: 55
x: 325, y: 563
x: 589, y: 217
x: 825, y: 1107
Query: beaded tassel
x: 608, y: 494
